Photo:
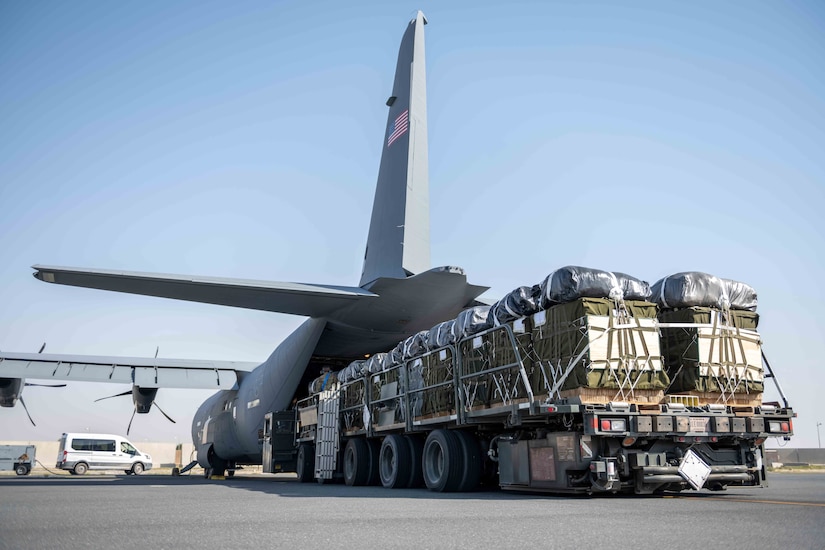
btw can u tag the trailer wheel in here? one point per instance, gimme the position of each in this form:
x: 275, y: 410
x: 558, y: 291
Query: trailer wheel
x: 306, y: 463
x: 80, y: 468
x: 374, y: 447
x: 471, y: 455
x: 395, y: 462
x: 442, y: 461
x: 21, y: 470
x: 417, y: 450
x: 357, y: 462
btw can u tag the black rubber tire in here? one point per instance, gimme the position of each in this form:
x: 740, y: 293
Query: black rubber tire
x: 80, y: 468
x: 417, y: 451
x: 21, y: 470
x: 395, y: 462
x: 374, y: 446
x: 217, y: 466
x: 356, y: 462
x: 128, y: 472
x: 471, y: 455
x: 306, y: 463
x: 442, y: 461
x: 137, y: 468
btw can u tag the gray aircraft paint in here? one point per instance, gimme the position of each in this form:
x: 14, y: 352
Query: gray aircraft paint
x: 399, y: 237
x: 399, y: 294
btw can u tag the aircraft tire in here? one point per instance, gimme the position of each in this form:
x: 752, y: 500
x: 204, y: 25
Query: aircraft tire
x: 442, y: 461
x: 395, y: 462
x: 306, y: 463
x: 471, y: 456
x: 357, y: 462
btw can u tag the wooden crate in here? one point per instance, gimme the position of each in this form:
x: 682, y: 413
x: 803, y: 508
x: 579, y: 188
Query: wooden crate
x: 602, y: 396
x: 734, y: 399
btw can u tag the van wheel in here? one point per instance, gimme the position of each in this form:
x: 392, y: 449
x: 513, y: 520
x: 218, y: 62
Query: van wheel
x: 80, y: 468
x: 137, y: 469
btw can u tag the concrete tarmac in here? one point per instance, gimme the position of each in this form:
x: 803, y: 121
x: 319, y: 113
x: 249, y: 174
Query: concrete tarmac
x: 161, y: 511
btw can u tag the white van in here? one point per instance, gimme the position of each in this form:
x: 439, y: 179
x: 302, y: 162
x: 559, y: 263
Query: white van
x: 81, y: 452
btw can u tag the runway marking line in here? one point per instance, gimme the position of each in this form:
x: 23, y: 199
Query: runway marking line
x: 759, y: 501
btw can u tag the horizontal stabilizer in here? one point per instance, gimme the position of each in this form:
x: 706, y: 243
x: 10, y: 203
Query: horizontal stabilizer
x: 294, y: 298
x: 139, y: 371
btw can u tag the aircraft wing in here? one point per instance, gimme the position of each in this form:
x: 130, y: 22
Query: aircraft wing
x: 143, y: 372
x: 309, y: 300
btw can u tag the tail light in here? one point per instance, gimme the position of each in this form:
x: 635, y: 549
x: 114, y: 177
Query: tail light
x: 779, y: 426
x: 613, y: 425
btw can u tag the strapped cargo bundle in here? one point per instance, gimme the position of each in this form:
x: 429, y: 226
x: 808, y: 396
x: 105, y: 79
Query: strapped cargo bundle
x: 709, y: 338
x: 599, y: 350
x: 431, y: 384
x: 492, y: 365
x: 386, y: 389
x: 353, y: 391
x: 588, y: 343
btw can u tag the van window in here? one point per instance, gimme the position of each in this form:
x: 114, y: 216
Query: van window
x: 104, y: 445
x: 126, y: 448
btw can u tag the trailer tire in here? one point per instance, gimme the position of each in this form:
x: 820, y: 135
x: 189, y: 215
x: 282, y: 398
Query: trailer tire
x: 394, y: 462
x: 417, y: 450
x: 374, y: 447
x: 80, y: 468
x: 471, y: 455
x: 357, y: 462
x: 22, y: 470
x: 305, y: 467
x: 442, y: 461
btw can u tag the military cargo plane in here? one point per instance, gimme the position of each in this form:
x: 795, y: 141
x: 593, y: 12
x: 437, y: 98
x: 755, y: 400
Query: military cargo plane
x: 398, y: 295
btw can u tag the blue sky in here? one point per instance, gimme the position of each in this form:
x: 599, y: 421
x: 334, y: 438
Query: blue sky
x: 243, y: 140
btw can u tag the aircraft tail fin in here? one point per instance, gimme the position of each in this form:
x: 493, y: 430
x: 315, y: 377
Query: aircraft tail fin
x: 398, y: 244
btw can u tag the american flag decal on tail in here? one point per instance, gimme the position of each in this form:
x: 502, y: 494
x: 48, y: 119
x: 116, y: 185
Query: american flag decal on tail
x: 399, y: 127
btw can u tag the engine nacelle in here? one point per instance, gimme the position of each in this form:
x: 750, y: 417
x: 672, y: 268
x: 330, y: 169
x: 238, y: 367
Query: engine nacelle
x: 10, y: 389
x: 143, y: 398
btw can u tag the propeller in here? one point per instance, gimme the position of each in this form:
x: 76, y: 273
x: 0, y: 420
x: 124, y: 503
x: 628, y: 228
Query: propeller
x: 25, y: 408
x: 142, y: 398
x: 127, y: 392
x: 22, y: 402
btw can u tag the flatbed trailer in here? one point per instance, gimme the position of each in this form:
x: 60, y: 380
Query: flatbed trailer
x: 488, y: 410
